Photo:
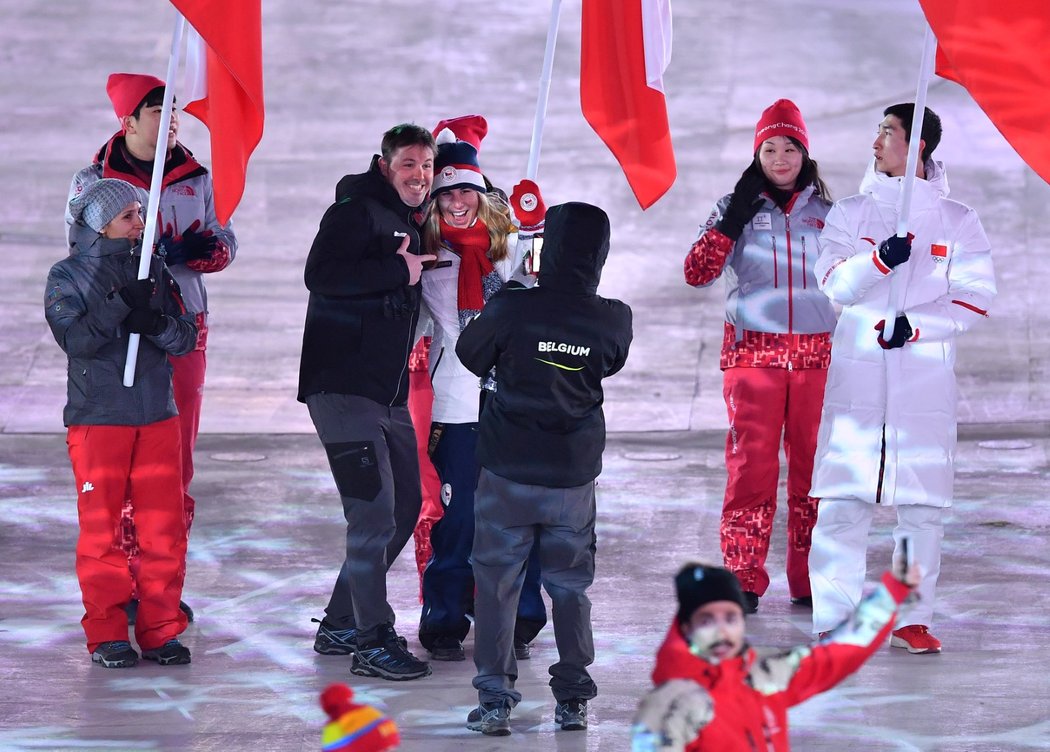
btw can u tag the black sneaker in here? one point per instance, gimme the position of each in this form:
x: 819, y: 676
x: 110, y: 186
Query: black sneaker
x: 388, y: 658
x: 332, y: 641
x: 446, y: 649
x: 750, y: 602
x: 522, y: 650
x: 571, y: 715
x: 171, y: 653
x: 805, y: 601
x: 115, y: 654
x: 491, y: 720
x: 185, y: 608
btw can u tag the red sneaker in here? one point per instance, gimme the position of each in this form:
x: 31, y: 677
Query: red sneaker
x: 916, y: 639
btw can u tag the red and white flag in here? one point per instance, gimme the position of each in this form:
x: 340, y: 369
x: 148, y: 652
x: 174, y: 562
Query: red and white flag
x: 998, y: 51
x: 224, y: 68
x: 625, y: 50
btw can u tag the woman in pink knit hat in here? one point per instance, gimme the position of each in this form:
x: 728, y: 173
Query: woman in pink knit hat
x: 762, y: 238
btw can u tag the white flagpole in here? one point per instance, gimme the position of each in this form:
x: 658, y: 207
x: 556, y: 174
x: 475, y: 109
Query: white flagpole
x: 544, y: 93
x: 150, y: 233
x: 926, y: 66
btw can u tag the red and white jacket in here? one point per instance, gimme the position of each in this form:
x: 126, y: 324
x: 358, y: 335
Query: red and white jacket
x: 948, y: 285
x: 776, y: 316
x: 186, y: 196
x: 747, y: 697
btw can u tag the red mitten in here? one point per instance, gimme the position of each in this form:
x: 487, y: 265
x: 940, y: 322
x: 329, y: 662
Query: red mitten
x: 218, y: 260
x: 528, y: 206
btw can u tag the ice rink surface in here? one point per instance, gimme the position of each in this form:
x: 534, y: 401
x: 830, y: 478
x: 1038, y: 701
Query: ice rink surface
x: 267, y: 539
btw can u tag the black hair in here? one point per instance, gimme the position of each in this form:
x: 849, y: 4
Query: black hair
x: 931, y: 125
x: 406, y: 134
x: 154, y: 98
x: 808, y: 175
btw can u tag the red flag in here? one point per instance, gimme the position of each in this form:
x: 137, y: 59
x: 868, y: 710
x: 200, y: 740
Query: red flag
x: 618, y: 97
x: 998, y: 51
x: 232, y: 103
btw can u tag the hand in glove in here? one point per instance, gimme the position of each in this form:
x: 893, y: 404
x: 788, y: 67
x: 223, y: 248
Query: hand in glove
x: 137, y: 294
x: 901, y: 333
x: 528, y: 206
x: 671, y: 716
x: 742, y: 204
x: 191, y: 245
x: 894, y: 251
x: 144, y: 321
x: 220, y: 258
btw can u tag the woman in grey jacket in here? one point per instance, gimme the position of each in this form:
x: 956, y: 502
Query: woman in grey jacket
x: 776, y: 346
x: 124, y: 442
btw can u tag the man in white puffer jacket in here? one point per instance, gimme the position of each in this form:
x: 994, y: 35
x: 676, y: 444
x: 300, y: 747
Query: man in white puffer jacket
x: 888, y: 428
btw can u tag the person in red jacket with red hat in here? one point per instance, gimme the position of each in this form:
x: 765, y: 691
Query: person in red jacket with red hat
x: 715, y: 692
x: 191, y: 240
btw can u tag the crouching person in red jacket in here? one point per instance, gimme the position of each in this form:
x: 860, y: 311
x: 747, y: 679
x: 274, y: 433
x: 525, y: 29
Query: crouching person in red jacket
x: 714, y: 692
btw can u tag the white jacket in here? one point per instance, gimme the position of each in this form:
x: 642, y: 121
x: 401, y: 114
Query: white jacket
x: 456, y: 390
x: 910, y: 390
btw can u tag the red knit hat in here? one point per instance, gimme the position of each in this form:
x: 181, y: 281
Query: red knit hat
x: 782, y: 118
x: 126, y: 90
x: 469, y: 128
x: 456, y: 164
x: 355, y: 728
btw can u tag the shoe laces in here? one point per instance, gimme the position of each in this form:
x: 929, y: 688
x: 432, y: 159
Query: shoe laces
x: 117, y: 645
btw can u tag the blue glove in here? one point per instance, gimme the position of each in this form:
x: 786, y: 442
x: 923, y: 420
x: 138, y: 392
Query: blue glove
x: 902, y: 332
x: 894, y: 250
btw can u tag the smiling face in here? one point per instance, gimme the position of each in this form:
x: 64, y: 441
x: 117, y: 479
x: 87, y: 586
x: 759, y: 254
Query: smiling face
x: 411, y: 172
x: 127, y: 224
x: 458, y: 206
x: 781, y: 161
x: 715, y: 631
x: 141, y: 132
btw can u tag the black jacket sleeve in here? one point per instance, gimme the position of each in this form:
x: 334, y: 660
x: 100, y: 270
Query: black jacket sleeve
x: 342, y: 261
x: 479, y: 346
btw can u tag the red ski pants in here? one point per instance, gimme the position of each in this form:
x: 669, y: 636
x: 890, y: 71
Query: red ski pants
x: 420, y: 402
x: 111, y: 463
x: 187, y: 379
x: 765, y: 404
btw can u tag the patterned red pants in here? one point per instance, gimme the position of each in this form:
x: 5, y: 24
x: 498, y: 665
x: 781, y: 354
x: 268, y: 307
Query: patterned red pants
x: 765, y: 405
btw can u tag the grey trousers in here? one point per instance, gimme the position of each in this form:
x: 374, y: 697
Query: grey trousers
x: 372, y: 453
x: 508, y: 517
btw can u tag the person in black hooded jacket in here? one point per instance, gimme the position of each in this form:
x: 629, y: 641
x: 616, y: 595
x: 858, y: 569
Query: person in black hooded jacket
x: 363, y: 275
x: 541, y: 437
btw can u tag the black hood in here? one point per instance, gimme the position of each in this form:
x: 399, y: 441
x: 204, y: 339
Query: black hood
x: 375, y: 186
x: 575, y: 245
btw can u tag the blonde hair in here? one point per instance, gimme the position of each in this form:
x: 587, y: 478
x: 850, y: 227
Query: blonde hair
x: 493, y: 212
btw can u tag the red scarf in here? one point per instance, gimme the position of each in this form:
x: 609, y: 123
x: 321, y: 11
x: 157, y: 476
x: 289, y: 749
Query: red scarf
x: 471, y: 244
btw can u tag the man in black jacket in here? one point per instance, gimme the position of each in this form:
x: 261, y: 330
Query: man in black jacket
x: 540, y: 443
x: 363, y: 275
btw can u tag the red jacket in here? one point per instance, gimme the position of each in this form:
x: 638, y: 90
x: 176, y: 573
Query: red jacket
x: 750, y: 694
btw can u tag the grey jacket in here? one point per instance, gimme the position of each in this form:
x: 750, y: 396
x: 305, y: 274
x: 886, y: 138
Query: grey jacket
x: 86, y: 316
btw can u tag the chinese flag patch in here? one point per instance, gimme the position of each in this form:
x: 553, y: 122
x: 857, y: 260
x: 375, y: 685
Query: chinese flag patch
x: 940, y: 251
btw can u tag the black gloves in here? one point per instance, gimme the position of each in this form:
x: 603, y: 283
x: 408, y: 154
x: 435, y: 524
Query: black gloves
x: 144, y: 321
x: 189, y: 246
x: 742, y: 204
x: 894, y: 251
x: 902, y: 332
x: 137, y: 294
x: 141, y: 319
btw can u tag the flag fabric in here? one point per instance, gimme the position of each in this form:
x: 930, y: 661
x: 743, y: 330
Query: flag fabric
x: 228, y: 88
x: 997, y: 50
x: 625, y: 49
